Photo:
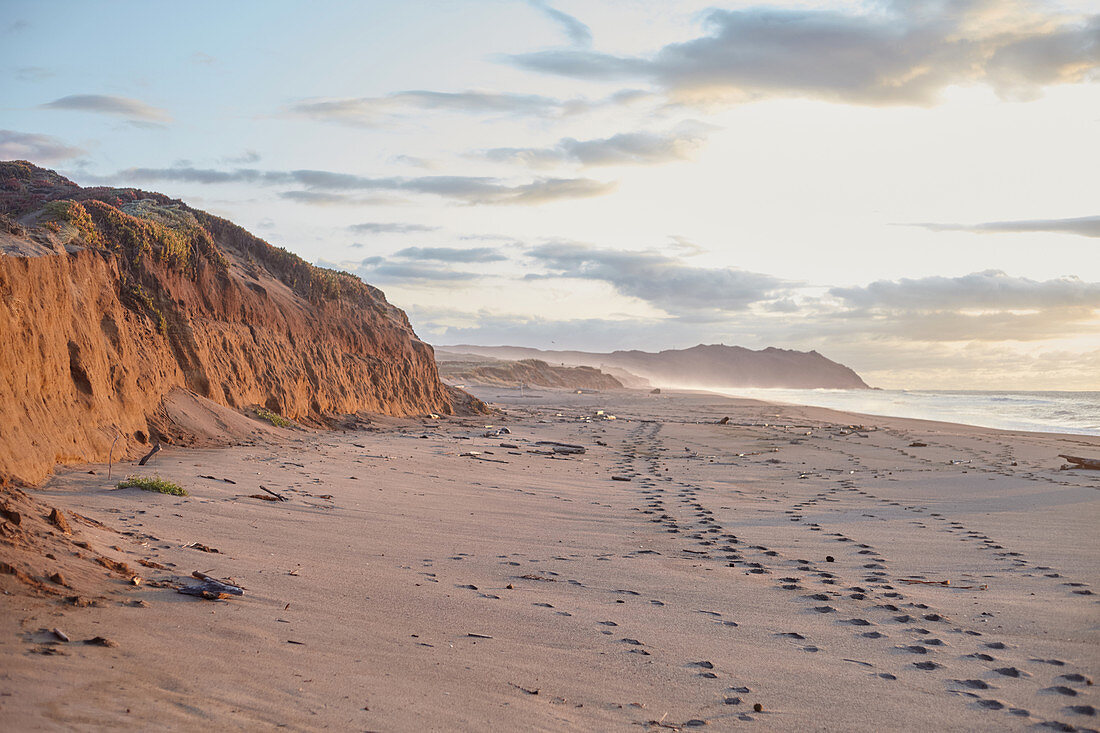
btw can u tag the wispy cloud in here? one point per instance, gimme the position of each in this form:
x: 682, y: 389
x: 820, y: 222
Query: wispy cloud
x: 35, y: 148
x: 384, y: 227
x: 579, y: 33
x: 630, y: 148
x: 246, y: 158
x: 106, y: 104
x: 384, y: 271
x: 991, y: 289
x: 1086, y: 226
x: 452, y: 254
x: 33, y: 73
x: 324, y: 186
x: 899, y: 52
x: 663, y: 281
x: 392, y: 108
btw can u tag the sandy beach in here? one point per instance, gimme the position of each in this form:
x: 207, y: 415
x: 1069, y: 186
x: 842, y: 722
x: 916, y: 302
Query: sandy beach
x: 795, y: 568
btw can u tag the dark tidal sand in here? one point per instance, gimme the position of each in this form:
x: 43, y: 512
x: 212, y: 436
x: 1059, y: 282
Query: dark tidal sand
x: 749, y: 574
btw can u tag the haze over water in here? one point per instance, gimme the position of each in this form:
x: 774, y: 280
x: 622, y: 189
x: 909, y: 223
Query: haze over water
x: 1058, y: 412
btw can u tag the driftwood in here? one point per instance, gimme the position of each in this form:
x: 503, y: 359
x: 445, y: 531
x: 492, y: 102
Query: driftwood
x: 150, y: 454
x: 562, y: 447
x: 944, y: 583
x: 211, y: 588
x: 111, y: 458
x: 1093, y: 463
x: 278, y: 497
x: 487, y: 460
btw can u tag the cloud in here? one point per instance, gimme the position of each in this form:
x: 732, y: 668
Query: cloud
x: 412, y: 160
x: 324, y: 198
x: 133, y: 109
x: 991, y: 289
x: 245, y: 158
x: 631, y: 148
x: 380, y: 111
x: 34, y: 147
x: 452, y: 254
x: 390, y: 109
x: 33, y: 73
x: 898, y: 52
x: 657, y: 279
x: 1086, y: 226
x: 579, y: 33
x: 316, y: 198
x: 326, y: 186
x: 379, y: 227
x: 381, y: 270
x: 485, y: 327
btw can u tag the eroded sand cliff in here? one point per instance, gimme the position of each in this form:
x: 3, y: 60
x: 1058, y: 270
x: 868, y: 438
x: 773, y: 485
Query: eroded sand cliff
x: 113, y: 299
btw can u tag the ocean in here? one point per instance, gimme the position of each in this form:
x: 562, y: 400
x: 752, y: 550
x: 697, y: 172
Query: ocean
x: 1051, y: 412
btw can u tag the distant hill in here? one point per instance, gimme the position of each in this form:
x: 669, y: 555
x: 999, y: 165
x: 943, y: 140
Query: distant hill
x: 714, y: 365
x: 474, y: 369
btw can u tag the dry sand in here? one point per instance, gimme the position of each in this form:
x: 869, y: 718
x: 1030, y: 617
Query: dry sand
x: 404, y: 587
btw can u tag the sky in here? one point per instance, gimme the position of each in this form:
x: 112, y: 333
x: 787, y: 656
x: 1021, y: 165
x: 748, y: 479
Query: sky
x: 908, y: 187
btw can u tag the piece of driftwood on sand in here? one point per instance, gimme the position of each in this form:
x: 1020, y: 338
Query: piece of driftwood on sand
x: 150, y: 454
x: 211, y: 588
x: 1093, y: 463
x: 562, y: 447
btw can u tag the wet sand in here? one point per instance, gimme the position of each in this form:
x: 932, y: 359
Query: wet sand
x: 783, y: 560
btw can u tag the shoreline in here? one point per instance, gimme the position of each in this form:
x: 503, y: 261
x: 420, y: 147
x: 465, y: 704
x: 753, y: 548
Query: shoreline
x: 405, y: 586
x: 1040, y: 430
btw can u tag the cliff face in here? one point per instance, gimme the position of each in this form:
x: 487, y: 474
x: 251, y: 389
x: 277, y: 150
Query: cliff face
x: 528, y: 372
x: 713, y: 365
x: 110, y: 299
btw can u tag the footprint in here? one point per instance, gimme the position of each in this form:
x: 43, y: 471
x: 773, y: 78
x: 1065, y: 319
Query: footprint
x: 1061, y: 690
x: 927, y: 665
x: 1011, y: 672
x: 1074, y: 677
